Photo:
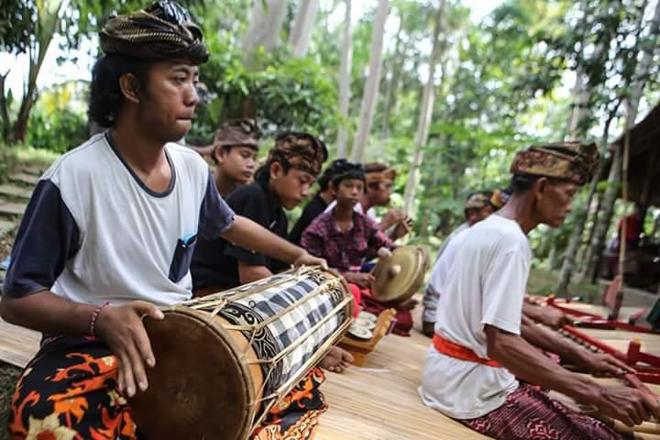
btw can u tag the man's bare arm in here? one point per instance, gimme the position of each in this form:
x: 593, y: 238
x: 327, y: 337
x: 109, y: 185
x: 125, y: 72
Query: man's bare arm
x: 248, y: 273
x: 47, y: 313
x: 527, y: 363
x: 252, y: 236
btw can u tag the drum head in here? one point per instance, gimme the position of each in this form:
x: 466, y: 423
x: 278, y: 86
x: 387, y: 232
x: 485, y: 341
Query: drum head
x: 198, y: 389
x: 398, y: 277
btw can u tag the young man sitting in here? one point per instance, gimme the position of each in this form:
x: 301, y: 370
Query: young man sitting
x: 317, y: 205
x: 108, y: 233
x: 482, y: 369
x: 282, y: 183
x: 235, y: 148
x: 347, y: 238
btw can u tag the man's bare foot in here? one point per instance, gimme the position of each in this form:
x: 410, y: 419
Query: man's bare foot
x: 337, y: 360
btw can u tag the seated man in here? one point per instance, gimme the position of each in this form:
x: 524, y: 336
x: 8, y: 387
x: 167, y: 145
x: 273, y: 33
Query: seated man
x: 478, y: 206
x: 317, y: 205
x: 281, y: 183
x: 379, y: 180
x: 548, y: 316
x: 481, y: 370
x: 235, y: 148
x: 347, y: 238
x: 107, y: 236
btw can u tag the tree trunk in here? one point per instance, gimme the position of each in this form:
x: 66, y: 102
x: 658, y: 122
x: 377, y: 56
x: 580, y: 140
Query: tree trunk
x: 575, y: 241
x: 372, y: 84
x: 425, y: 113
x: 345, y: 82
x: 301, y: 33
x: 264, y: 28
x: 392, y: 83
x: 580, y: 112
x: 632, y: 105
x: 46, y: 27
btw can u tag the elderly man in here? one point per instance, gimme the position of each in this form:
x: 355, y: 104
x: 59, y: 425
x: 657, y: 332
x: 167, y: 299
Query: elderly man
x: 481, y: 369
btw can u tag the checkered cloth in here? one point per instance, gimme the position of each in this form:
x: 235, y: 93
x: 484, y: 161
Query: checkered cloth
x: 290, y: 328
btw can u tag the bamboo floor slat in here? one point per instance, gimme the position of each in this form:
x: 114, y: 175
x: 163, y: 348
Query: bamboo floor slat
x: 18, y: 345
x: 380, y: 401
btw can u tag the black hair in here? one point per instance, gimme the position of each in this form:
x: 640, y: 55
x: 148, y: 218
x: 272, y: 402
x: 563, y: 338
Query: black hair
x: 105, y: 97
x: 263, y: 172
x: 521, y: 183
x: 341, y: 169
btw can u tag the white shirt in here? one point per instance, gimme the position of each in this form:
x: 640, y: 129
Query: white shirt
x: 446, y: 256
x: 371, y: 212
x: 94, y: 232
x: 486, y: 285
x: 440, y: 271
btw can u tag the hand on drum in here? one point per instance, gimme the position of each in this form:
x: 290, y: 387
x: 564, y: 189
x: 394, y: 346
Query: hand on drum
x: 362, y: 279
x: 122, y: 329
x: 629, y: 405
x: 307, y: 259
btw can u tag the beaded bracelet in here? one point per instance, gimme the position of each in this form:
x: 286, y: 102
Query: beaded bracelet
x: 95, y: 315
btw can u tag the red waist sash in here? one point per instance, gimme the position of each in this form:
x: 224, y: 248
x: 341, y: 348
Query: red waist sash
x: 456, y: 351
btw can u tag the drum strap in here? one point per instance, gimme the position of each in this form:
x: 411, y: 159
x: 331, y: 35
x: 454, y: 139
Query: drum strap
x: 456, y: 351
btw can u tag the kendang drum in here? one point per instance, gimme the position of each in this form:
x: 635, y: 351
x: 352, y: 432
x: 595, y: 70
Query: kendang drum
x: 222, y: 361
x: 399, y: 276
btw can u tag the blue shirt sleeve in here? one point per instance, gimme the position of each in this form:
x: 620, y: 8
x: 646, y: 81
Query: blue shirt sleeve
x: 215, y: 216
x: 47, y: 238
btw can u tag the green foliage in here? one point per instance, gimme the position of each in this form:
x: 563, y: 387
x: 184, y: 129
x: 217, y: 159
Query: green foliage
x: 58, y: 122
x: 17, y: 18
x: 283, y: 93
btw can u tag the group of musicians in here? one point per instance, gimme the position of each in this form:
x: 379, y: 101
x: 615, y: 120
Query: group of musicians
x: 130, y: 221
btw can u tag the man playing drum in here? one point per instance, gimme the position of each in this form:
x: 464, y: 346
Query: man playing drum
x: 480, y: 369
x: 108, y: 234
x: 235, y: 147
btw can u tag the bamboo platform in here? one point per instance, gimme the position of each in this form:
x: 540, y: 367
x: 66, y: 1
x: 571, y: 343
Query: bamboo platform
x: 376, y: 402
x: 380, y: 400
x: 18, y: 345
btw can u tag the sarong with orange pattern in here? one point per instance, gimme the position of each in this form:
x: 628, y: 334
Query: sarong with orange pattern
x: 69, y: 392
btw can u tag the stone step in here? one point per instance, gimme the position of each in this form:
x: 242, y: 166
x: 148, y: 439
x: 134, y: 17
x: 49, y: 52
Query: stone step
x: 24, y: 178
x: 34, y: 170
x: 12, y: 209
x: 15, y: 191
x: 6, y: 227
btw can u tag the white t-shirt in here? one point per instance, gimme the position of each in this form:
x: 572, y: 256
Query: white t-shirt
x: 446, y: 256
x: 93, y: 232
x: 440, y: 271
x: 371, y: 212
x: 486, y: 285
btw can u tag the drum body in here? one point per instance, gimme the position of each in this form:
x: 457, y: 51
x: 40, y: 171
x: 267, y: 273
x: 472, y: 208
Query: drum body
x: 223, y: 360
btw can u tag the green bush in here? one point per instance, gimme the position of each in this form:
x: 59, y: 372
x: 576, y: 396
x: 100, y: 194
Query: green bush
x: 58, y: 131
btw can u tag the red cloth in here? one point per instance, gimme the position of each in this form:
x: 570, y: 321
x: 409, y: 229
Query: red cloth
x: 457, y: 351
x: 633, y: 226
x: 403, y: 317
x: 357, y: 298
x: 530, y: 414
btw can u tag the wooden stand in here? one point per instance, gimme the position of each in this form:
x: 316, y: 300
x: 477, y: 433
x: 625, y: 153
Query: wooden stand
x: 360, y: 349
